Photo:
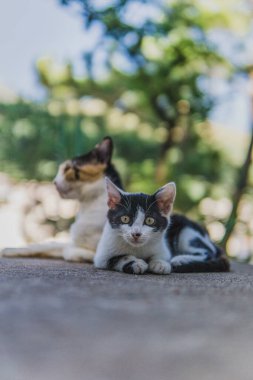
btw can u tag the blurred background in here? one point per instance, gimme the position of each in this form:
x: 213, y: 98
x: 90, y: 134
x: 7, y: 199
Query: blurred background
x: 170, y: 81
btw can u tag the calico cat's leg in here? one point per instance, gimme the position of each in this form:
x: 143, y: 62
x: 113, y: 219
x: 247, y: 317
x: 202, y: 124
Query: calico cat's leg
x: 72, y: 253
x: 49, y: 249
x: 128, y: 264
x: 64, y: 251
x: 159, y: 266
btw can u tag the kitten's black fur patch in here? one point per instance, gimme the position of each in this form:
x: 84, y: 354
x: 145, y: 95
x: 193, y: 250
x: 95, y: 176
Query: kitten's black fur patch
x: 180, y: 221
x: 219, y: 265
x: 113, y: 261
x: 198, y: 243
x: 130, y: 204
x: 128, y: 268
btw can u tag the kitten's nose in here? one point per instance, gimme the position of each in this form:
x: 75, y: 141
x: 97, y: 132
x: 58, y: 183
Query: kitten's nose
x: 136, y: 235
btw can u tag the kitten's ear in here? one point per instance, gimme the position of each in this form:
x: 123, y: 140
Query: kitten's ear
x: 105, y: 149
x: 165, y: 197
x: 113, y: 192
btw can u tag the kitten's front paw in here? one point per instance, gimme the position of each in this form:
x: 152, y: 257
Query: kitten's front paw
x: 137, y: 266
x: 159, y: 267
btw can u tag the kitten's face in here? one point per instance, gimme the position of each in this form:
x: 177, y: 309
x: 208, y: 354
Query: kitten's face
x: 77, y: 176
x: 139, y: 218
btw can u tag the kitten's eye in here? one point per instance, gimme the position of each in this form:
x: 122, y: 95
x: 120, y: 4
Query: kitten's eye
x: 125, y: 219
x: 149, y: 221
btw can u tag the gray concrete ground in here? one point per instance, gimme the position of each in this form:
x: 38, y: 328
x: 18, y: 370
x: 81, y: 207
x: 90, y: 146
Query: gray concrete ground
x: 63, y: 321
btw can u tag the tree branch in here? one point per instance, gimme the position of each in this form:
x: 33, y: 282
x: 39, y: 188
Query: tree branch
x: 240, y: 188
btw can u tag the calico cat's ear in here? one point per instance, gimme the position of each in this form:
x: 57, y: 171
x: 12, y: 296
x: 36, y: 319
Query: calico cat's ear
x: 105, y: 149
x: 165, y: 197
x: 113, y: 192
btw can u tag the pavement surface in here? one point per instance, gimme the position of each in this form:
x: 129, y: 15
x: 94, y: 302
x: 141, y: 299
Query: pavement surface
x: 66, y: 321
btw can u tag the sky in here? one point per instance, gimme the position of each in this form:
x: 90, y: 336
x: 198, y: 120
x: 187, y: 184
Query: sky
x: 31, y: 29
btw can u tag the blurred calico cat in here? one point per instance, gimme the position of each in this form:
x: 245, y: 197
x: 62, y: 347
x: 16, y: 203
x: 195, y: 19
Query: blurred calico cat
x: 81, y: 178
x: 141, y: 235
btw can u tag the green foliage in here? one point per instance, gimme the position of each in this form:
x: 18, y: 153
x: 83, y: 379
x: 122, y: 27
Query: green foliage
x: 33, y: 142
x: 152, y: 99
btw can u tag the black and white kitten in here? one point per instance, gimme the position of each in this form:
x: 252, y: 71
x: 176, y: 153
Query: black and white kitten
x: 133, y: 238
x: 141, y: 235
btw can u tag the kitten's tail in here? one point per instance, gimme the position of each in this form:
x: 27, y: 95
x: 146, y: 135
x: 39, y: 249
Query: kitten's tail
x: 220, y: 264
x: 50, y: 249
